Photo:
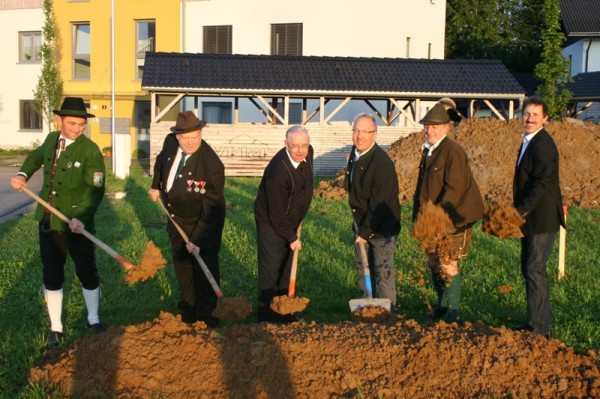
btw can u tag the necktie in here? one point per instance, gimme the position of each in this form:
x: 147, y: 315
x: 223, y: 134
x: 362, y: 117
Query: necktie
x: 181, y: 164
x: 60, y: 146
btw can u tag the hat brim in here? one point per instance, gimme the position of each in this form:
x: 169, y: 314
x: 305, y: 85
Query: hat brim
x: 189, y: 129
x: 75, y: 113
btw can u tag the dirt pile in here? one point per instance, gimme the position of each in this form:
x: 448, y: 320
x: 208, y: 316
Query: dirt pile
x: 167, y: 358
x: 492, y: 147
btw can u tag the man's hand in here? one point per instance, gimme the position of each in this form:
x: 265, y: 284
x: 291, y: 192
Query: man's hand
x: 296, y: 245
x: 191, y: 247
x: 18, y: 182
x: 76, y: 225
x: 154, y: 194
x: 360, y: 240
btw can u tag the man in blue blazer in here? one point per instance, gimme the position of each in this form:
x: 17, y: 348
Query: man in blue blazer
x: 537, y: 197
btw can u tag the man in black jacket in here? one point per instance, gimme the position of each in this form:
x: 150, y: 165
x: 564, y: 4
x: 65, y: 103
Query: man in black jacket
x: 372, y: 185
x: 283, y: 199
x: 189, y: 178
x: 537, y: 197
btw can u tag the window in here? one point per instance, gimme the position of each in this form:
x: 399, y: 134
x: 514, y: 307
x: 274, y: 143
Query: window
x: 217, y: 39
x: 145, y: 38
x: 294, y: 113
x: 286, y: 39
x: 30, y: 46
x: 30, y: 119
x: 216, y: 112
x: 81, y: 51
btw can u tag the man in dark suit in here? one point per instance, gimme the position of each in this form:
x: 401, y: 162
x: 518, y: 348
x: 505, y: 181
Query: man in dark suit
x: 74, y: 175
x: 189, y: 178
x: 372, y: 185
x: 537, y: 197
x: 284, y: 196
x: 445, y: 179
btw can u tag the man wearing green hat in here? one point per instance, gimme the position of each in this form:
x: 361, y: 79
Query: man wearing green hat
x: 446, y: 180
x: 74, y: 175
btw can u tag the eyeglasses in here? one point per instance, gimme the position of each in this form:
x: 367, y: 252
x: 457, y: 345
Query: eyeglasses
x: 297, y: 147
x: 356, y: 131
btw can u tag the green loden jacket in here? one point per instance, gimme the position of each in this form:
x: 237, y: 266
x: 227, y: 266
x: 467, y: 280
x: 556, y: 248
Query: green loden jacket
x: 78, y: 180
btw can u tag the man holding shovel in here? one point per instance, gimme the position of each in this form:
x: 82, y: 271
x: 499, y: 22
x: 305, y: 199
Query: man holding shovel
x: 284, y: 196
x: 74, y: 184
x: 372, y: 185
x: 189, y: 179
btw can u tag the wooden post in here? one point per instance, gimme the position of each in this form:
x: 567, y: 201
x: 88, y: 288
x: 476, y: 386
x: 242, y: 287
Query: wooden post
x: 562, y: 248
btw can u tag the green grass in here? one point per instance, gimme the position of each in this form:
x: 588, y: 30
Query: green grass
x: 326, y: 274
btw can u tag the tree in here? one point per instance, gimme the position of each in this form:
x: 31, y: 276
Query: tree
x: 49, y: 89
x: 554, y: 70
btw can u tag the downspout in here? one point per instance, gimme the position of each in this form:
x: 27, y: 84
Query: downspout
x: 587, y: 54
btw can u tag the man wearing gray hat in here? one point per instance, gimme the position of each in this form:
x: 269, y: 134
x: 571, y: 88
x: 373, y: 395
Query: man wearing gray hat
x: 446, y: 180
x: 189, y: 178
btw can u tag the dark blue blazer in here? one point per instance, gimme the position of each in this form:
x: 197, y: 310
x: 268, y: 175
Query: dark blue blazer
x: 536, y: 189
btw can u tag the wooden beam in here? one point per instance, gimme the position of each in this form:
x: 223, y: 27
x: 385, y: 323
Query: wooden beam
x: 337, y: 109
x: 401, y: 110
x: 168, y: 107
x: 494, y: 110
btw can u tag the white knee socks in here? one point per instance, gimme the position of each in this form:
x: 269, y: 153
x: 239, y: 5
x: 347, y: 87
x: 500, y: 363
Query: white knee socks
x: 54, y: 303
x: 92, y: 300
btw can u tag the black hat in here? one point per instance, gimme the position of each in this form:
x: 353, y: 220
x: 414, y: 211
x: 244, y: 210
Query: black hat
x: 73, y: 106
x: 187, y: 121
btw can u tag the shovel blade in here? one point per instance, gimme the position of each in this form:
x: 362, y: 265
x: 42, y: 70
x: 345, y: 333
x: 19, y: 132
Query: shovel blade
x: 357, y: 304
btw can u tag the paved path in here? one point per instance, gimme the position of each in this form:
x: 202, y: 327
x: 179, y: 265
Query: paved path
x: 12, y: 202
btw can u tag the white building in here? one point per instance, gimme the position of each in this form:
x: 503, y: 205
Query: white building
x: 20, y: 27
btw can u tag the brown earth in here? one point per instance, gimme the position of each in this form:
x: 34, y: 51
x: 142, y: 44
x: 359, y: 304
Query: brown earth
x: 396, y: 359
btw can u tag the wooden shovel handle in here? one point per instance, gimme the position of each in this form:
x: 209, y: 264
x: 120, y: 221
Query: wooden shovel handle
x: 203, y: 266
x: 292, y: 286
x: 126, y: 264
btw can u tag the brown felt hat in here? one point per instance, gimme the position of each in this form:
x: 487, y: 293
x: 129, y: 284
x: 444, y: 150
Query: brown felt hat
x: 438, y: 115
x: 73, y: 106
x: 187, y: 121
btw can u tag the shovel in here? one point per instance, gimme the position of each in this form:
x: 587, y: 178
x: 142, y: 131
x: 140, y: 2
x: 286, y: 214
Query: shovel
x: 227, y: 308
x: 126, y: 264
x: 292, y: 286
x: 358, y: 304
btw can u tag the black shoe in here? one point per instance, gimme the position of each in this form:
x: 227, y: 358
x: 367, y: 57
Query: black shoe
x: 55, y: 338
x: 436, y: 313
x: 452, y: 316
x: 522, y: 327
x: 210, y: 321
x: 267, y: 315
x: 97, y: 327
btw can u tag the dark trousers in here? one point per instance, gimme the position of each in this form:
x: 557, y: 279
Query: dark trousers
x: 380, y: 255
x: 274, y: 266
x: 195, y: 292
x: 535, y: 251
x: 54, y: 247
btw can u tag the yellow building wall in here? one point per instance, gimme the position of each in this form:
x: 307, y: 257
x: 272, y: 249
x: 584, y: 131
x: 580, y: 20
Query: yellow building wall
x: 98, y: 89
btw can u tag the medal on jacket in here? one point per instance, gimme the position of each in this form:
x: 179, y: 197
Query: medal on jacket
x: 189, y: 183
x: 202, y: 190
x: 196, y: 183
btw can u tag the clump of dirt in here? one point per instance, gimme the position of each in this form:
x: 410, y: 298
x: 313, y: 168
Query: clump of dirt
x: 371, y: 314
x: 502, y: 221
x: 171, y: 359
x: 235, y: 308
x: 431, y: 228
x: 284, y: 304
x: 152, y: 261
x: 492, y: 147
x: 504, y: 289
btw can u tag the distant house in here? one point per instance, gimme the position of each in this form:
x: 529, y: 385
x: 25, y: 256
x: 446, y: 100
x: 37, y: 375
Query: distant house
x: 581, y: 24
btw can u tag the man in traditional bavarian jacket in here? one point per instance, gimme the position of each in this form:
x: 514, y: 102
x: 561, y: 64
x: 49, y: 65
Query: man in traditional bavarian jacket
x: 73, y: 184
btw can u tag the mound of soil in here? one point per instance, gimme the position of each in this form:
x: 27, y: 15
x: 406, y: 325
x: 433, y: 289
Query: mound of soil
x: 168, y: 358
x: 492, y: 147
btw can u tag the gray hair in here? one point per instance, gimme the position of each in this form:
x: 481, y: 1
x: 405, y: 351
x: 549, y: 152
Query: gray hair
x: 365, y: 115
x: 295, y: 129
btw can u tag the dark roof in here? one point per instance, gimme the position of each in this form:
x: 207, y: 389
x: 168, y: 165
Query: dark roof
x: 580, y: 17
x: 586, y: 87
x: 367, y: 77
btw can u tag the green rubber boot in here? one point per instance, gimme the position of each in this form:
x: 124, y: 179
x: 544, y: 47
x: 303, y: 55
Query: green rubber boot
x: 453, y: 294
